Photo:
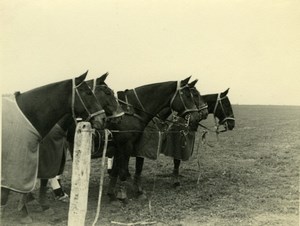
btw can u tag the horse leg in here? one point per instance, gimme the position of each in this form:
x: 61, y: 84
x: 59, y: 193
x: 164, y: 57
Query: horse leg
x: 26, y: 219
x: 176, y: 172
x: 43, y: 200
x: 113, y: 177
x: 4, y: 199
x: 139, y: 163
x: 56, y: 184
x: 123, y: 166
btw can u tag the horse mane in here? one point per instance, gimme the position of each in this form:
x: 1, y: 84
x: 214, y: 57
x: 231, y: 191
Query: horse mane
x: 17, y: 93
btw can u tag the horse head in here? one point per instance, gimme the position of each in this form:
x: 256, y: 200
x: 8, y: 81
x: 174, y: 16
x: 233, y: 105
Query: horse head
x: 183, y: 103
x: 199, y: 100
x: 106, y: 97
x: 85, y: 103
x: 223, y: 111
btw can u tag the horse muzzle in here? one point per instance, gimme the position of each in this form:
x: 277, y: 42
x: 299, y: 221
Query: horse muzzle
x: 99, y: 121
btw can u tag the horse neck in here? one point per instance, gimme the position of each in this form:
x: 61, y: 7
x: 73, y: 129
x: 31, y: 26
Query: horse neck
x: 211, y: 100
x: 155, y: 98
x: 66, y: 122
x: 44, y: 106
x: 165, y: 113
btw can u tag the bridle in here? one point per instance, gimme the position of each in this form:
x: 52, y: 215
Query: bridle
x: 94, y: 86
x: 76, y: 92
x: 179, y: 91
x: 174, y: 113
x: 227, y: 118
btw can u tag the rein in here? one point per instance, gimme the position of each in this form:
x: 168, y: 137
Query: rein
x: 75, y: 90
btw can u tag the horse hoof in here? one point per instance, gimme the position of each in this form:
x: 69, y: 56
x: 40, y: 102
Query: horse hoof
x: 124, y: 201
x: 116, y: 203
x: 142, y: 197
x: 112, y: 197
x: 176, y: 184
x: 49, y: 211
x: 26, y: 220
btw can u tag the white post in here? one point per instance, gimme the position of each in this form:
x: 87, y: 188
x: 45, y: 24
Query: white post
x: 80, y: 174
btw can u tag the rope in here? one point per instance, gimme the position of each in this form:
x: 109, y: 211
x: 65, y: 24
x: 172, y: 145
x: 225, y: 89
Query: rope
x: 203, y: 141
x: 102, y: 177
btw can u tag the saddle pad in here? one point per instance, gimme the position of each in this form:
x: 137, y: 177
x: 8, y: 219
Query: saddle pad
x: 20, y: 142
x: 51, y: 151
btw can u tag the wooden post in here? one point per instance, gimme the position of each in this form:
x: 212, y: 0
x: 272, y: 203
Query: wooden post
x: 80, y: 174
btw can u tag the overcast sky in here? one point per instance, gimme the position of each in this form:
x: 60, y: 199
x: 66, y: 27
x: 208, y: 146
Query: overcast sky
x: 251, y: 47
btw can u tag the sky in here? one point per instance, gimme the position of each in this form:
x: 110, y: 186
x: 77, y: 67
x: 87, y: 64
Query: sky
x: 251, y: 47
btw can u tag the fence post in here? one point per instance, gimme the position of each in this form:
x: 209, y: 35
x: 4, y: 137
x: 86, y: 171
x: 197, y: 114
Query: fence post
x: 80, y: 174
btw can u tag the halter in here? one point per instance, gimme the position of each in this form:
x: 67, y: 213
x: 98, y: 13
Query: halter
x: 94, y: 86
x: 90, y: 115
x: 219, y: 101
x: 178, y: 91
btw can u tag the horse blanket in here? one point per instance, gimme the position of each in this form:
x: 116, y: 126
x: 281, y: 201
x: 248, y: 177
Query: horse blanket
x: 178, y: 142
x: 149, y: 144
x: 52, y: 154
x: 174, y: 141
x: 20, y: 143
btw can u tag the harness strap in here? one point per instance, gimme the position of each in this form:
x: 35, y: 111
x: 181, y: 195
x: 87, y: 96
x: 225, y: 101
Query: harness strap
x: 127, y: 106
x: 94, y: 85
x: 90, y: 115
x: 140, y: 103
x: 73, y: 100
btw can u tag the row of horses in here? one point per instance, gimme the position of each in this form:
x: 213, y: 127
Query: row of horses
x: 63, y: 103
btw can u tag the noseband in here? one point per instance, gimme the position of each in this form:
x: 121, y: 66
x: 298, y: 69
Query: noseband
x: 75, y: 90
x: 219, y: 102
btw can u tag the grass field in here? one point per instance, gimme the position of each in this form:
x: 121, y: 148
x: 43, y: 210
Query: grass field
x: 249, y: 177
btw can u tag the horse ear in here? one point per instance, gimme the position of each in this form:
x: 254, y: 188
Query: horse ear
x: 101, y: 79
x: 225, y: 93
x: 192, y: 84
x: 185, y: 81
x: 81, y: 78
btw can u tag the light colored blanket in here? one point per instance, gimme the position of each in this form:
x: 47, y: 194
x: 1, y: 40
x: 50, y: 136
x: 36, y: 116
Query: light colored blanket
x: 20, y: 143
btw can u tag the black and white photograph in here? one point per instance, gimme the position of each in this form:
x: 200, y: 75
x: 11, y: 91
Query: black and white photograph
x: 150, y: 112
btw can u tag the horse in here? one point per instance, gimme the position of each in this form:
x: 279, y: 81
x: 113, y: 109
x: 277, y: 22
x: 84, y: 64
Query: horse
x: 53, y: 146
x: 28, y: 117
x: 141, y: 104
x: 177, y: 135
x: 219, y: 105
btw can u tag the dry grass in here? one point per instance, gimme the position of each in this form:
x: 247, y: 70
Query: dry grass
x: 249, y: 177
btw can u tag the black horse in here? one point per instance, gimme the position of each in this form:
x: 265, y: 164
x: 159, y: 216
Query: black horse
x: 28, y: 117
x: 177, y: 135
x: 219, y: 105
x: 142, y: 105
x: 178, y: 140
x: 53, y: 147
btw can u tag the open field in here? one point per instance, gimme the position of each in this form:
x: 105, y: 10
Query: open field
x: 249, y: 177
